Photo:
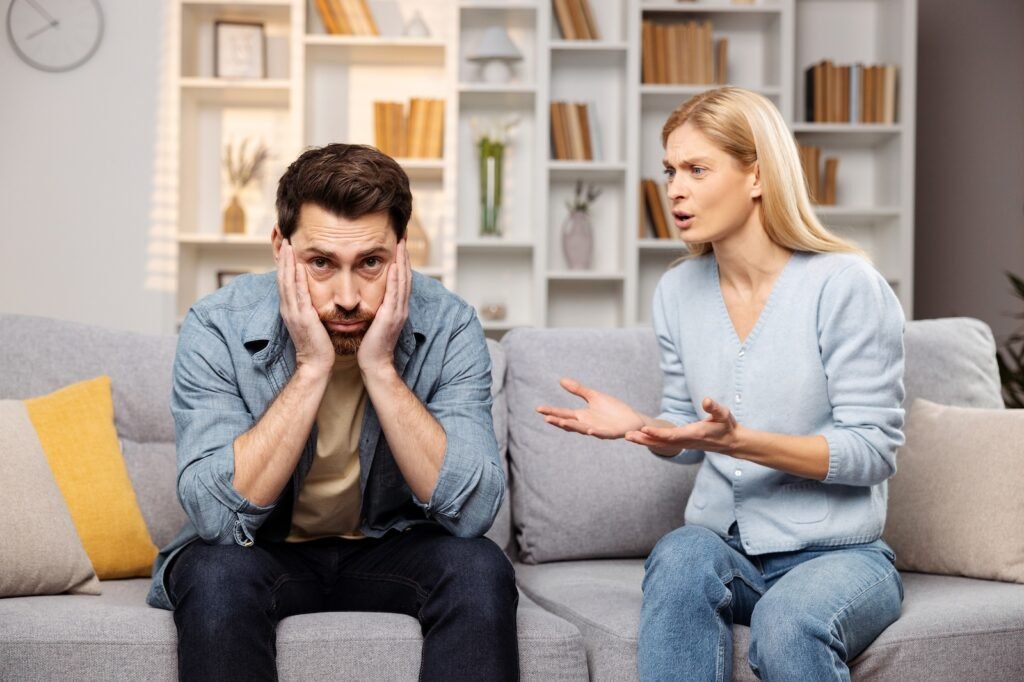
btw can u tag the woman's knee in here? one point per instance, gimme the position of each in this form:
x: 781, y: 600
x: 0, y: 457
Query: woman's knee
x: 690, y: 558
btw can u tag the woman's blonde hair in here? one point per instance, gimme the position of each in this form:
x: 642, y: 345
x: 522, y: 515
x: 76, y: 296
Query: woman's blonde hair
x: 749, y: 128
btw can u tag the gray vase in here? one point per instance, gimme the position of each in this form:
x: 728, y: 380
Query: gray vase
x: 578, y: 240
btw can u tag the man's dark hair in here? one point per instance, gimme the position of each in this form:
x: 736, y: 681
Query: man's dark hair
x: 349, y: 180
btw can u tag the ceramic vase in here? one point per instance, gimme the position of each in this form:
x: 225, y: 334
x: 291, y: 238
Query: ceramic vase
x: 578, y: 240
x: 234, y: 217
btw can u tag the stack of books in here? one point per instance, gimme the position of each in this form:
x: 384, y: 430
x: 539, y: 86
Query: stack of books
x: 575, y: 20
x: 683, y: 53
x: 418, y: 135
x: 850, y: 93
x: 821, y: 185
x: 347, y: 17
x: 655, y: 210
x: 575, y: 133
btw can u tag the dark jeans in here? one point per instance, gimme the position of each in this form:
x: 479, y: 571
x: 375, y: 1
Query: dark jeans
x: 228, y: 600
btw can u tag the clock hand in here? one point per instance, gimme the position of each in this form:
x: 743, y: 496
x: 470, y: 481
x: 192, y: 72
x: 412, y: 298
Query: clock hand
x: 33, y: 34
x: 39, y: 8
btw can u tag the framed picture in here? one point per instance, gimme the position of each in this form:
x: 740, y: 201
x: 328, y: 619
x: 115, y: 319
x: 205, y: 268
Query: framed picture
x: 225, y: 276
x: 239, y: 50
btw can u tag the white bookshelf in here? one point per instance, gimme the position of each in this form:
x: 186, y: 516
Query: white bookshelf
x: 320, y: 88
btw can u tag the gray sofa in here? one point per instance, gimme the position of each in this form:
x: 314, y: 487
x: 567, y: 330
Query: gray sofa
x: 580, y: 516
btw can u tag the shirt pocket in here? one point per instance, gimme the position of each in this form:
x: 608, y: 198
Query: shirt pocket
x: 802, y: 502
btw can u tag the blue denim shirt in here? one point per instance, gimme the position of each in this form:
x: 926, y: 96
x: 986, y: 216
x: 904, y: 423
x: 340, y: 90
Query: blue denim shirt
x: 234, y: 357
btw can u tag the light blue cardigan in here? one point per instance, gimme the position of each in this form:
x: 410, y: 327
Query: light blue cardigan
x: 825, y: 357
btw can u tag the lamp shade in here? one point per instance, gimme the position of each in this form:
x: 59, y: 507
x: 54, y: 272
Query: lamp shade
x: 495, y: 44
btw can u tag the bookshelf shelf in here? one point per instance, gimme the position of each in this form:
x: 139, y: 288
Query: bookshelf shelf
x: 321, y: 88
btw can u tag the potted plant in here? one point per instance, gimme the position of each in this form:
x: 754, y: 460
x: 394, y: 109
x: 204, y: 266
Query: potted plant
x: 241, y: 169
x: 577, y: 230
x: 1011, y: 356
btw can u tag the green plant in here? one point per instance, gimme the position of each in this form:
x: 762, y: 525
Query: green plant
x: 581, y: 199
x: 1011, y: 356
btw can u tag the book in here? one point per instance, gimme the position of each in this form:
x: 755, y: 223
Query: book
x: 660, y: 48
x: 655, y: 209
x: 415, y: 129
x: 673, y: 43
x: 559, y: 144
x: 595, y: 132
x: 855, y: 93
x: 706, y: 54
x: 323, y: 8
x: 889, y: 96
x: 581, y: 114
x: 579, y: 22
x: 819, y: 92
x: 809, y: 94
x: 590, y: 20
x: 564, y: 19
x: 576, y: 152
x: 436, y: 128
x: 367, y: 17
x: 647, y: 51
x: 722, y: 61
x: 831, y: 167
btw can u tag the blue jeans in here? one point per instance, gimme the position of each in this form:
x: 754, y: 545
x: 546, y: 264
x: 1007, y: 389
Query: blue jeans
x: 810, y: 612
x: 228, y: 600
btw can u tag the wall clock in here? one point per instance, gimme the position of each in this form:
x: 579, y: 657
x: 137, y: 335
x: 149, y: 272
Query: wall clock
x: 55, y: 35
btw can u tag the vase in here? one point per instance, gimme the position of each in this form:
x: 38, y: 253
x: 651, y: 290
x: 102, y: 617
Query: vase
x: 491, y: 159
x: 234, y: 217
x: 578, y: 240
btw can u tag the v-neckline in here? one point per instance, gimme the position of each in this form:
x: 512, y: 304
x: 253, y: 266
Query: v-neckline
x: 752, y: 334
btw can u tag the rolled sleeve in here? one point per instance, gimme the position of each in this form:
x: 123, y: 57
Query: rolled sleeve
x: 471, y: 483
x: 209, y: 414
x: 860, y: 330
x: 676, y: 404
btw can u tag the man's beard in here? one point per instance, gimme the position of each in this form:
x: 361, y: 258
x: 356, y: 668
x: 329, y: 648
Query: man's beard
x: 347, y: 343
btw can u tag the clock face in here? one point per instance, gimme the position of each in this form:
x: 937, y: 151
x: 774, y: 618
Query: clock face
x: 55, y: 35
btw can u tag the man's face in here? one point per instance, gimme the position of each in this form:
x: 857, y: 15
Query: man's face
x: 346, y: 264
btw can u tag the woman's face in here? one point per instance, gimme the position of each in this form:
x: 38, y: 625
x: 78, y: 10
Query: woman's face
x: 712, y: 197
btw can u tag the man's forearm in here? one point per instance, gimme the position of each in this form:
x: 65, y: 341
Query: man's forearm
x: 266, y: 454
x: 417, y: 440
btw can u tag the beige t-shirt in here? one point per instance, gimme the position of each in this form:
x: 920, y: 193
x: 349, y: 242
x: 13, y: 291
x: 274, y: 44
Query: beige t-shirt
x: 329, y: 501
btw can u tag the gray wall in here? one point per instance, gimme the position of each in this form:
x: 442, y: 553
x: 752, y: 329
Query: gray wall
x: 970, y: 160
x: 76, y: 167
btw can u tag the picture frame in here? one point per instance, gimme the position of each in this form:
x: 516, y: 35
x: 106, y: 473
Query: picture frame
x: 225, y: 276
x: 240, y: 49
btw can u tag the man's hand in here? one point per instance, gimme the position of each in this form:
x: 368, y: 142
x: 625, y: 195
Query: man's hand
x: 313, y: 347
x: 377, y: 349
x: 718, y: 432
x: 603, y: 417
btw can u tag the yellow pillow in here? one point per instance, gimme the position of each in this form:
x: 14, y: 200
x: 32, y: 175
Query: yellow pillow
x: 76, y: 428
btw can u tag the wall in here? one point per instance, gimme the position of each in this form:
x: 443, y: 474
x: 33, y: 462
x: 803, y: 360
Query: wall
x: 970, y: 160
x: 75, y: 171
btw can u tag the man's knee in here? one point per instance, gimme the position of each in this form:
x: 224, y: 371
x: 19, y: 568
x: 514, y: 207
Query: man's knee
x: 476, y: 572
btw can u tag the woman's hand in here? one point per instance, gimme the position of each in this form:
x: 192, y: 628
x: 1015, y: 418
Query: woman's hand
x: 718, y: 432
x: 603, y: 417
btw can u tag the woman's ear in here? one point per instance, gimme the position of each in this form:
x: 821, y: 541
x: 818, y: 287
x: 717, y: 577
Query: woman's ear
x: 755, y: 188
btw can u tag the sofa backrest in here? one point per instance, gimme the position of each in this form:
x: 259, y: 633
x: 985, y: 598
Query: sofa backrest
x: 575, y: 497
x: 41, y: 355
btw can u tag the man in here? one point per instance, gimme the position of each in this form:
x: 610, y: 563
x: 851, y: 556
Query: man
x: 335, y: 444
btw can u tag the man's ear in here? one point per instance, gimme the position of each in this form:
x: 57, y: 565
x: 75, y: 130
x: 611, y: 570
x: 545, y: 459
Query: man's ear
x: 755, y: 188
x: 276, y: 240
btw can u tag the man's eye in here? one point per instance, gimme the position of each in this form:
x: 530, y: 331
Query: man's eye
x: 372, y: 262
x: 319, y: 263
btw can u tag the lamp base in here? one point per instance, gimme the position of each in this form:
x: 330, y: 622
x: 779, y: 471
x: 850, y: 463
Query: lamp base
x: 495, y: 71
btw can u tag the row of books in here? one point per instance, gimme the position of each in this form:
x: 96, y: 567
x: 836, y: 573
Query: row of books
x: 821, y: 184
x: 575, y: 20
x: 417, y: 135
x: 850, y: 93
x: 575, y: 132
x: 683, y: 52
x: 654, y: 210
x: 347, y: 17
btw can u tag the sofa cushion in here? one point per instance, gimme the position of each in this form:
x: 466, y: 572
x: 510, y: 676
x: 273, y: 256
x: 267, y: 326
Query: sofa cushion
x: 75, y: 425
x: 960, y: 347
x: 950, y: 629
x: 578, y: 497
x: 40, y: 551
x: 957, y: 491
x: 117, y: 637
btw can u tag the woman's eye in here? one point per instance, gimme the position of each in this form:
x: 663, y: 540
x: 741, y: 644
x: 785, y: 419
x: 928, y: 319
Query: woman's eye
x: 669, y: 173
x: 698, y: 171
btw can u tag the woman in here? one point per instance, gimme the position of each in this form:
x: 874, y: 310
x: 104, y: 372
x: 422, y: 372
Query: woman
x: 791, y: 345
